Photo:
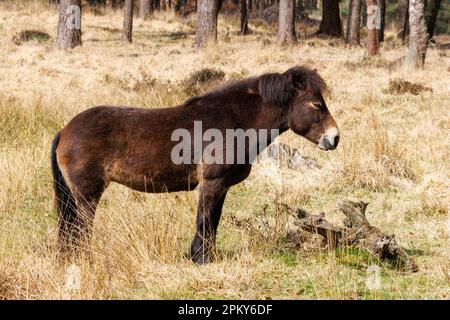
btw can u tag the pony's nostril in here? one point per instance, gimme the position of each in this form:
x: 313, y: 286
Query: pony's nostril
x: 336, y: 141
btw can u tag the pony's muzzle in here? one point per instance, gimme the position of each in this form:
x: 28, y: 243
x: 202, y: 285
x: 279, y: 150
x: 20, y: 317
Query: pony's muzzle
x: 330, y: 139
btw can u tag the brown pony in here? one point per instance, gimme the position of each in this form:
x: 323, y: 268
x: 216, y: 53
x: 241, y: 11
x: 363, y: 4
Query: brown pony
x: 133, y: 147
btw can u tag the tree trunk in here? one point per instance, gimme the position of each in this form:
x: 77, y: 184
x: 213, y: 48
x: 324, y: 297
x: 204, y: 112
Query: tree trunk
x: 127, y: 29
x: 418, y: 37
x: 331, y: 19
x: 97, y: 3
x: 206, y: 22
x: 178, y: 4
x: 431, y: 16
x: 373, y: 27
x: 403, y: 27
x: 69, y: 24
x: 145, y: 9
x: 349, y: 21
x: 354, y: 25
x: 382, y: 4
x: 286, y: 22
x: 219, y: 7
x: 363, y: 13
x: 244, y: 17
x: 167, y: 5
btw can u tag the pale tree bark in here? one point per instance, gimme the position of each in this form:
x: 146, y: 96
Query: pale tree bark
x: 373, y: 27
x: 244, y: 16
x: 432, y: 16
x: 206, y: 22
x: 145, y: 9
x: 331, y: 18
x: 286, y: 22
x: 418, y: 36
x: 69, y: 24
x: 127, y: 30
x: 353, y: 32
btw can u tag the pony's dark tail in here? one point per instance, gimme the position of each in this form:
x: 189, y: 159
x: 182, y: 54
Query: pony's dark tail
x: 64, y: 201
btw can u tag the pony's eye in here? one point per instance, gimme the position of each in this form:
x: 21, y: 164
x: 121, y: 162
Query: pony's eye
x: 317, y: 105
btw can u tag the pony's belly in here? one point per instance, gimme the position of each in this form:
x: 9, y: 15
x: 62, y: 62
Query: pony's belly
x: 156, y: 181
x: 160, y: 186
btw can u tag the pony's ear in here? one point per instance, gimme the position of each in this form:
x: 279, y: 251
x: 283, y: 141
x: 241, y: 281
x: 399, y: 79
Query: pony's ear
x: 276, y: 89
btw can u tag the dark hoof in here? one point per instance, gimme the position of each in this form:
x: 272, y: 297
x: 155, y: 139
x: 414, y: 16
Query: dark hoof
x: 201, y: 253
x: 200, y: 257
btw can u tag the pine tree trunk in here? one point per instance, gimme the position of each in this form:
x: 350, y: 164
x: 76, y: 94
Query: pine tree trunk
x: 206, y: 22
x: 244, y: 17
x: 69, y: 24
x: 97, y: 3
x: 403, y: 27
x: 145, y: 9
x: 418, y: 37
x: 172, y: 7
x: 382, y: 4
x: 127, y: 29
x: 355, y: 20
x: 286, y: 22
x: 331, y: 19
x: 219, y: 7
x: 311, y: 4
x: 363, y: 12
x: 373, y: 27
x: 168, y: 6
x: 349, y: 21
x: 431, y: 16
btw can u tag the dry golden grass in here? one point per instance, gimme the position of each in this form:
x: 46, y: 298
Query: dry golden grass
x: 394, y: 152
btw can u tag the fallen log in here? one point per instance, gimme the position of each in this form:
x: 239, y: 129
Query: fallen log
x: 356, y: 231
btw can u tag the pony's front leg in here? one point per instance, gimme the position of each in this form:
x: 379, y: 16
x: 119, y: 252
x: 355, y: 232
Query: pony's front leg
x: 211, y: 199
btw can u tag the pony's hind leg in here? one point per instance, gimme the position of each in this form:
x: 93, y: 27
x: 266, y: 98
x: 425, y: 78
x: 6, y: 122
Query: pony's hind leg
x: 75, y: 230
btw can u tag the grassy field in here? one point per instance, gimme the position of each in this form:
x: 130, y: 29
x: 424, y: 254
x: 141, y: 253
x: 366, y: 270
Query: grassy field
x: 394, y: 153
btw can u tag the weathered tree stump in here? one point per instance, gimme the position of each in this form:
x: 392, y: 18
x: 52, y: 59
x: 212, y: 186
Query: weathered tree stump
x: 356, y: 231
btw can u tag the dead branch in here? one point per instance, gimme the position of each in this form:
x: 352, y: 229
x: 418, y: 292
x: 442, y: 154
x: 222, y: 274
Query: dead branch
x: 356, y: 231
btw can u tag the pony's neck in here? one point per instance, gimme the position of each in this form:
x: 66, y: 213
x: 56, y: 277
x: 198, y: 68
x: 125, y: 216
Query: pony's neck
x: 268, y: 117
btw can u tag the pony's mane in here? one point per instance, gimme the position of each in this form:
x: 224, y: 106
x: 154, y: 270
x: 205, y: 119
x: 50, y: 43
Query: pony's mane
x: 309, y: 77
x: 274, y: 88
x: 229, y: 87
